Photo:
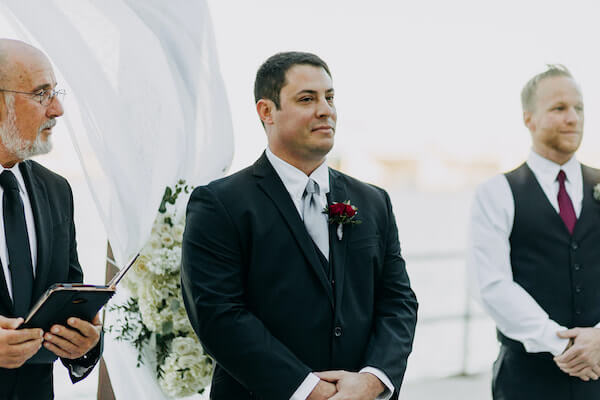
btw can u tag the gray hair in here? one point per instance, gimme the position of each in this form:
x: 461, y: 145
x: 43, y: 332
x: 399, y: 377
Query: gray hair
x: 529, y: 90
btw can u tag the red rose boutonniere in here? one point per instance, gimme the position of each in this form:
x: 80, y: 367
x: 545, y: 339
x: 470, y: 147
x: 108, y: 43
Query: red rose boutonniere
x: 341, y: 214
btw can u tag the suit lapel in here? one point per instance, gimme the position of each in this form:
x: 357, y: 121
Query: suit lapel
x: 338, y: 247
x: 36, y: 189
x: 270, y: 183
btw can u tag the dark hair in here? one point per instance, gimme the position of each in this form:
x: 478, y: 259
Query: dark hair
x: 270, y: 77
x: 529, y: 90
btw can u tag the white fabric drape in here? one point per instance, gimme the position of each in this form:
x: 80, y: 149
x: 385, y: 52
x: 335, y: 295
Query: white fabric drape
x: 146, y: 106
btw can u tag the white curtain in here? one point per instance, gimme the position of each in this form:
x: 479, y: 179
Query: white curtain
x: 146, y: 106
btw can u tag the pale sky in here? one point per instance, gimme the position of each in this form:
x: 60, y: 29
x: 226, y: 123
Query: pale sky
x: 412, y: 77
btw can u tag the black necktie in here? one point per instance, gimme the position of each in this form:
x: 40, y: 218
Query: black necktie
x: 17, y: 242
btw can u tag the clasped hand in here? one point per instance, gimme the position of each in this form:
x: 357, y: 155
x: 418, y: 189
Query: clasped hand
x: 19, y: 345
x: 343, y: 385
x: 74, y: 341
x: 582, y: 357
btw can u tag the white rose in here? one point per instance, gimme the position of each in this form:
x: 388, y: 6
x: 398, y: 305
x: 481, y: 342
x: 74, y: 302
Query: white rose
x: 167, y: 240
x: 183, y: 345
x: 164, y: 229
x: 178, y: 232
x: 150, y: 316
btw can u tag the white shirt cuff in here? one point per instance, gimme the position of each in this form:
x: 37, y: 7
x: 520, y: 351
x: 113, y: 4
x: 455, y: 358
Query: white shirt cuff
x: 306, y: 388
x: 389, y: 388
x: 549, y: 340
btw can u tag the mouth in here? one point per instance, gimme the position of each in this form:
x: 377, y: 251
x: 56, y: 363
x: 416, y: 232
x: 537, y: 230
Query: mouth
x: 323, y: 129
x: 47, y: 126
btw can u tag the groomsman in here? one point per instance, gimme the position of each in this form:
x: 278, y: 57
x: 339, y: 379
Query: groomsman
x: 289, y: 305
x: 535, y: 253
x: 37, y: 233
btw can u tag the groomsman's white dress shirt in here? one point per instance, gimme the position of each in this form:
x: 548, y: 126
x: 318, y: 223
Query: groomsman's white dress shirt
x: 28, y: 221
x: 295, y: 182
x: 516, y: 313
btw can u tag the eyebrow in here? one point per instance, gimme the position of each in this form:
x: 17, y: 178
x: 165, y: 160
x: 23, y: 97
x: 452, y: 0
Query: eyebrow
x: 310, y: 91
x: 41, y: 87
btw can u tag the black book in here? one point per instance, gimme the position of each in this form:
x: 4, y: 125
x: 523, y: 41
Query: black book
x: 64, y: 300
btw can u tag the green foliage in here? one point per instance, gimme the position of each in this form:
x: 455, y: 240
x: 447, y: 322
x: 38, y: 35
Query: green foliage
x: 171, y: 195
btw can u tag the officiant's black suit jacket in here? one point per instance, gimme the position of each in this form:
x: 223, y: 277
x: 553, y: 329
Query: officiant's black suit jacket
x: 57, y: 262
x: 261, y: 301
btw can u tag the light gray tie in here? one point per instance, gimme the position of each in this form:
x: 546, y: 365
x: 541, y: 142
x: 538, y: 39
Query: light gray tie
x: 314, y: 219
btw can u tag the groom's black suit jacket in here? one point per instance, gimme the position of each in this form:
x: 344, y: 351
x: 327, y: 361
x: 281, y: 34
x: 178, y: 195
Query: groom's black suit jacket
x: 57, y: 262
x: 261, y: 302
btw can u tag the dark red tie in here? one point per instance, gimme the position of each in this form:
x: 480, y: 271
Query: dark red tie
x: 565, y: 205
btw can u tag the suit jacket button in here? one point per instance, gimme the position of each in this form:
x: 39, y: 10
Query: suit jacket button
x: 574, y: 246
x: 337, y: 331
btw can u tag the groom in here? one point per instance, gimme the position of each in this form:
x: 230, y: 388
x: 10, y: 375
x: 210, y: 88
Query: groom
x: 289, y: 309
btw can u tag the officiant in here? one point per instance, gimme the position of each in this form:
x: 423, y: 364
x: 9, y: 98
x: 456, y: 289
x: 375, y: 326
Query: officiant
x: 534, y: 253
x: 37, y: 232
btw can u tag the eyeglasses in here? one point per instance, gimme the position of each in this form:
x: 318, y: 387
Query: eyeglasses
x: 44, y: 96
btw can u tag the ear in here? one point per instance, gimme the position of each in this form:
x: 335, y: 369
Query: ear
x: 265, y: 108
x: 528, y: 120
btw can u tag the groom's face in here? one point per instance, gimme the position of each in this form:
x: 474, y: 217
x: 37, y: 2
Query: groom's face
x: 303, y: 127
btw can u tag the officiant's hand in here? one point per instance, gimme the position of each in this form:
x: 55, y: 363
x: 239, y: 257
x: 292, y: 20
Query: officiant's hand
x: 74, y: 341
x: 323, y: 391
x: 17, y: 346
x: 582, y: 359
x: 352, y: 385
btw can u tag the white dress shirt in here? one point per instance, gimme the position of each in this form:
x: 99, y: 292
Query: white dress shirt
x: 516, y: 313
x: 295, y: 182
x: 30, y: 227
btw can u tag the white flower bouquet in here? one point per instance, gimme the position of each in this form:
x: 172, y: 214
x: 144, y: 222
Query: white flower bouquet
x: 154, y: 318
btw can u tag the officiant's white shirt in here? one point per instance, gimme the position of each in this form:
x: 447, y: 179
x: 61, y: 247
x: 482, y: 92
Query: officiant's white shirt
x: 295, y: 182
x: 516, y: 313
x: 28, y: 221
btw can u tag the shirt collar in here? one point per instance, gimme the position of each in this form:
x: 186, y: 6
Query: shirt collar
x: 17, y: 173
x: 295, y: 180
x: 548, y: 170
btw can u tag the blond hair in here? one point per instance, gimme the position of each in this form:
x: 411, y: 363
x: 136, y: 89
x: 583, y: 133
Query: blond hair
x: 529, y: 90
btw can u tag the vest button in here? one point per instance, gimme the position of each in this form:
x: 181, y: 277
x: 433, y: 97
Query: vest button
x: 577, y: 267
x: 578, y: 289
x: 337, y: 331
x: 574, y: 245
x: 578, y: 312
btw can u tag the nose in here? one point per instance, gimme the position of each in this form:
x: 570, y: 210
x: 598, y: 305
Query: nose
x: 55, y: 108
x: 325, y: 109
x: 572, y: 116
